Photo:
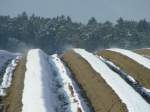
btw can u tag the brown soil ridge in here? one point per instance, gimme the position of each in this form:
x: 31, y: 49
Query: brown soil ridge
x: 145, y: 52
x: 99, y: 94
x: 131, y: 67
x: 13, y: 101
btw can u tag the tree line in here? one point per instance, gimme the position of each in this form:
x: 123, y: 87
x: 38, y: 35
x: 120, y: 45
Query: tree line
x: 61, y: 33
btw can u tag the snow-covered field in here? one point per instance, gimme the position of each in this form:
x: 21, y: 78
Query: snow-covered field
x: 133, y: 101
x: 37, y: 94
x: 4, y: 57
x: 135, y: 84
x: 136, y: 57
x: 7, y: 77
x: 48, y: 86
x: 68, y: 87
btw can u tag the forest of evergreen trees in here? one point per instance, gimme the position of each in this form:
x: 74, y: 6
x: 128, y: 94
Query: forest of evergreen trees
x: 60, y: 33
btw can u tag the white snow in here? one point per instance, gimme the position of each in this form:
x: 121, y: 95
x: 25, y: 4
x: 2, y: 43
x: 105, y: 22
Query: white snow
x: 75, y: 101
x: 7, y: 78
x: 146, y: 56
x: 142, y: 88
x: 118, y: 68
x: 143, y: 48
x: 136, y: 57
x: 133, y: 101
x: 46, y: 85
x: 37, y: 96
x: 145, y: 90
x: 109, y: 62
x: 131, y: 78
x: 4, y: 57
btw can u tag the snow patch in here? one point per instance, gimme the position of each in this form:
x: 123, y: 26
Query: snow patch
x: 4, y: 57
x: 145, y: 93
x: 37, y: 95
x: 136, y: 57
x: 48, y: 87
x: 118, y: 68
x: 133, y: 101
x: 7, y: 78
x: 75, y: 101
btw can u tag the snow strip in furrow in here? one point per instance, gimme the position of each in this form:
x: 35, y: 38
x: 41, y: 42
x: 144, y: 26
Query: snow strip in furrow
x: 143, y: 48
x: 7, y: 78
x: 133, y: 101
x: 130, y: 78
x: 136, y: 57
x: 68, y: 87
x: 5, y: 56
x: 37, y: 95
x: 135, y: 84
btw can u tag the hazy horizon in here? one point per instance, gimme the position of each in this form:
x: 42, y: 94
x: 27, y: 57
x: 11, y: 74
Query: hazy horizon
x: 79, y: 10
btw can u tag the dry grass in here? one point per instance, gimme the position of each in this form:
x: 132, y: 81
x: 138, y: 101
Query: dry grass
x: 145, y: 52
x: 12, y: 102
x: 131, y: 67
x: 100, y: 95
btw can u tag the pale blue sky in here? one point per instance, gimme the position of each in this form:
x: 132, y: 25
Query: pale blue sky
x: 80, y: 10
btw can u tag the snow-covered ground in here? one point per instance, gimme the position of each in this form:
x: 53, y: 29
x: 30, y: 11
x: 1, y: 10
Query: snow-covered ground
x: 75, y: 101
x: 143, y: 48
x: 48, y: 86
x: 117, y: 68
x: 135, y: 84
x: 7, y: 77
x: 4, y: 57
x: 133, y: 101
x: 37, y: 95
x: 136, y: 57
x: 146, y: 56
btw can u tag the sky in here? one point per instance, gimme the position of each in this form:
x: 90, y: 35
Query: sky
x: 80, y: 10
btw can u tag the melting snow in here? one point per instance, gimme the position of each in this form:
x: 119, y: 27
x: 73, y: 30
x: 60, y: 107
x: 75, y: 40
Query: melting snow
x: 133, y: 101
x: 136, y: 57
x: 135, y: 84
x: 48, y: 86
x: 4, y: 57
x: 7, y: 78
x: 69, y: 87
x: 37, y: 95
x: 118, y: 68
